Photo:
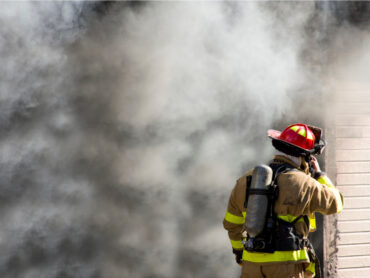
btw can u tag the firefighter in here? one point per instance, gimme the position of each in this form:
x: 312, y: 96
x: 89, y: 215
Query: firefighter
x: 303, y: 189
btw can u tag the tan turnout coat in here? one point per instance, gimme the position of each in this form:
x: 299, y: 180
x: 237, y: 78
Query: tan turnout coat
x: 299, y: 194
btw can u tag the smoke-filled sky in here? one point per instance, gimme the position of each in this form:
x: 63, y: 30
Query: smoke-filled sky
x: 124, y: 127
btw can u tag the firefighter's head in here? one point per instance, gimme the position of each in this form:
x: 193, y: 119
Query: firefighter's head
x: 298, y: 140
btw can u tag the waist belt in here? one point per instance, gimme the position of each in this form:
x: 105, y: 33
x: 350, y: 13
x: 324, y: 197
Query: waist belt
x: 283, y: 238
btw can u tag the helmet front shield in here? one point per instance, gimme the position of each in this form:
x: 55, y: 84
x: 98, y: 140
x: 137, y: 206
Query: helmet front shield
x: 320, y: 144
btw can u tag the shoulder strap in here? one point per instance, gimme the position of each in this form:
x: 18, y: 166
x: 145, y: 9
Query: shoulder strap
x: 279, y: 168
x: 249, y: 180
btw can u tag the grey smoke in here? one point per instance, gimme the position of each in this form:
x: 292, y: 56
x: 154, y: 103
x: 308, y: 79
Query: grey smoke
x: 123, y: 130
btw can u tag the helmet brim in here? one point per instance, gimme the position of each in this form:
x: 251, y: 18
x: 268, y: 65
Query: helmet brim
x: 274, y: 134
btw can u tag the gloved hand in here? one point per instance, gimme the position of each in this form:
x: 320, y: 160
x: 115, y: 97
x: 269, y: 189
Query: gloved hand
x: 315, y: 169
x: 315, y: 164
x: 238, y: 256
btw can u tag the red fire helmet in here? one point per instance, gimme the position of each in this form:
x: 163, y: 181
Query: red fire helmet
x: 299, y: 135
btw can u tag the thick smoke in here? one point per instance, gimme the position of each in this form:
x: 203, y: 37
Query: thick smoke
x: 123, y: 130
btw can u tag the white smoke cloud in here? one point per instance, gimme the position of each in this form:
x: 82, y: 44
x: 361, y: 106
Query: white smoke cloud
x: 125, y: 130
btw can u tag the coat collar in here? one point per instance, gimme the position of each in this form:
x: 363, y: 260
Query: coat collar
x: 283, y: 159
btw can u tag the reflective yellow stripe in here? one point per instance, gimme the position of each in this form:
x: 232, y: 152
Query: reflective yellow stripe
x: 338, y: 198
x: 277, y: 256
x: 234, y: 219
x: 311, y: 268
x: 312, y: 220
x: 291, y: 218
x: 325, y: 180
x: 237, y: 244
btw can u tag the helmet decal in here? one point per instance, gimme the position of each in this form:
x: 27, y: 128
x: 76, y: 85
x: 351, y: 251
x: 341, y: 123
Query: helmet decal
x: 294, y: 128
x: 302, y: 132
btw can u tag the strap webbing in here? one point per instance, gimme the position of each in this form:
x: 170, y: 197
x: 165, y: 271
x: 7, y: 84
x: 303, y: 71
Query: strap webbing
x: 249, y: 181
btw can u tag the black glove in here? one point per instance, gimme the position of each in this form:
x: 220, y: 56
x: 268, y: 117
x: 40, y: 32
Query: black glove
x: 238, y: 256
x: 317, y: 175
